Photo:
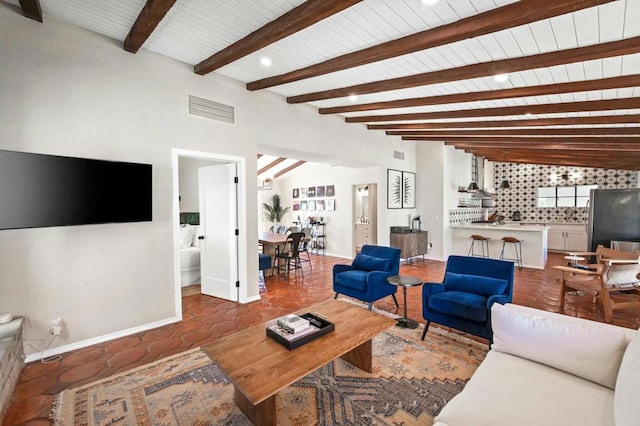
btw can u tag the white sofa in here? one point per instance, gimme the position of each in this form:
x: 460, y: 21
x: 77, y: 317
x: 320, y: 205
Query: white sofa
x: 551, y: 369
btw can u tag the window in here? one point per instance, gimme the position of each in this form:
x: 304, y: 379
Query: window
x: 564, y: 196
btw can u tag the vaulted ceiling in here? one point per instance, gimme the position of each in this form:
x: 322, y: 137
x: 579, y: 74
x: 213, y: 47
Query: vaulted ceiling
x: 569, y: 92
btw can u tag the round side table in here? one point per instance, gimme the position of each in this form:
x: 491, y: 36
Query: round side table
x: 575, y: 259
x: 405, y: 281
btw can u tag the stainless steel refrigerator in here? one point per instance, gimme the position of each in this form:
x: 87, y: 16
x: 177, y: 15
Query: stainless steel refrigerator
x: 614, y: 215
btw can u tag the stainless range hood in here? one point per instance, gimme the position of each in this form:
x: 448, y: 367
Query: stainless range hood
x: 478, y: 177
x: 481, y: 193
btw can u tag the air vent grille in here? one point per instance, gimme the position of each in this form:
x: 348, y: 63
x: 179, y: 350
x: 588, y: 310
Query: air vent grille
x: 398, y: 155
x: 212, y: 110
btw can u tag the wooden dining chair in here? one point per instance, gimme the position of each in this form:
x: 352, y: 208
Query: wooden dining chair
x: 289, y: 257
x: 614, y: 280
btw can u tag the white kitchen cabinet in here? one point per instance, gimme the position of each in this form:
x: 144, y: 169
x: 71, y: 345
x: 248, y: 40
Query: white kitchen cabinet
x: 567, y: 237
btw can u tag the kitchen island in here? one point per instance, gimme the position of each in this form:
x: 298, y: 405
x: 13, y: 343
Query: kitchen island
x: 534, y: 241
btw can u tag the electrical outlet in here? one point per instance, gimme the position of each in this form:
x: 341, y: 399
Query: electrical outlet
x: 56, y: 326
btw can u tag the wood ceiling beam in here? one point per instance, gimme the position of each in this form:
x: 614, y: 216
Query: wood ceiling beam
x: 606, y: 140
x: 627, y: 160
x: 623, y: 149
x: 606, y: 105
x: 509, y: 16
x: 288, y: 169
x: 148, y: 19
x: 259, y: 155
x: 297, y: 19
x: 485, y: 69
x: 568, y: 121
x: 271, y: 165
x: 566, y: 131
x: 487, y: 95
x: 31, y: 9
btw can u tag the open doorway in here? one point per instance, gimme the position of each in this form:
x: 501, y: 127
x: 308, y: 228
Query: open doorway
x: 365, y: 215
x: 206, y: 218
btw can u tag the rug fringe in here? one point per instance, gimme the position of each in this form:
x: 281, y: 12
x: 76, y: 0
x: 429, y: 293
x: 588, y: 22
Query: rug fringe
x: 56, y: 408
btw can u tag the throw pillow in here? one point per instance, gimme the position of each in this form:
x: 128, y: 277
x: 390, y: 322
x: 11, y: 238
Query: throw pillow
x: 475, y: 284
x: 370, y: 263
x: 626, y: 410
x: 186, y: 236
x: 585, y: 349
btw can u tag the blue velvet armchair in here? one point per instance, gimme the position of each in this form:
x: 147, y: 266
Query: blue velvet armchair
x: 366, y: 278
x: 463, y: 300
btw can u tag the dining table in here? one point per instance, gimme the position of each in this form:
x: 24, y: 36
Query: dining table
x: 272, y: 244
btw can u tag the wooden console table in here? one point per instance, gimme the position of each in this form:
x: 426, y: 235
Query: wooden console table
x: 411, y: 244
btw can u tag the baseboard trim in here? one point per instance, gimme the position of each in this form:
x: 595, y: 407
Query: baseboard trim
x: 35, y: 356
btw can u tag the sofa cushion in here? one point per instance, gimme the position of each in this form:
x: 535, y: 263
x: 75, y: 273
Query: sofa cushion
x: 370, y: 263
x: 476, y: 284
x: 355, y: 279
x: 507, y: 390
x: 623, y: 275
x: 472, y: 307
x: 580, y: 348
x: 626, y: 409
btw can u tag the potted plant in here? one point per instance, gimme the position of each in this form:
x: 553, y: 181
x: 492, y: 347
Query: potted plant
x: 274, y: 211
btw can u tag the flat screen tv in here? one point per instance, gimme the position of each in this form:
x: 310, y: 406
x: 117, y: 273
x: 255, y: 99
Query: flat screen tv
x: 39, y: 190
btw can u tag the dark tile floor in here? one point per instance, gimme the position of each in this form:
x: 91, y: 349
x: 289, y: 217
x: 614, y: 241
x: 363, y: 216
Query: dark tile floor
x: 207, y: 318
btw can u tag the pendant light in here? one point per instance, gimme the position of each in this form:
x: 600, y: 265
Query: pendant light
x: 505, y: 183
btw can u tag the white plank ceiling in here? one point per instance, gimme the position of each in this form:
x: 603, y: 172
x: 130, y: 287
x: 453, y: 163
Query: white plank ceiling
x: 193, y: 30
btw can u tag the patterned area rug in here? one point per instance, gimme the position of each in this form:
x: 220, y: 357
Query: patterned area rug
x: 411, y: 382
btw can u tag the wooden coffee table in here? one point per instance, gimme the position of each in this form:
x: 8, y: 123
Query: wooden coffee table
x: 260, y: 367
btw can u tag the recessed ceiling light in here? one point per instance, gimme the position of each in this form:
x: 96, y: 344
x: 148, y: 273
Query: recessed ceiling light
x: 529, y: 114
x: 266, y: 62
x: 501, y: 78
x: 430, y: 2
x: 353, y: 98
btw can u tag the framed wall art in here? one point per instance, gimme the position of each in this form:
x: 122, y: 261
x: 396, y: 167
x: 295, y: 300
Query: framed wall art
x: 408, y: 190
x: 330, y: 191
x: 394, y: 189
x: 401, y: 189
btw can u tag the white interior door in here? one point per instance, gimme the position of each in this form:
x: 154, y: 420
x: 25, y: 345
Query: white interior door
x: 218, y: 222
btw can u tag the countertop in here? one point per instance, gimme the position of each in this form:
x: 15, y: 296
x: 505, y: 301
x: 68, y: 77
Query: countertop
x: 506, y: 226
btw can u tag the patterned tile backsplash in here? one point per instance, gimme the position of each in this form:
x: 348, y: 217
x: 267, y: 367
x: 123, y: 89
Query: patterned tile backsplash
x: 466, y: 215
x: 525, y: 179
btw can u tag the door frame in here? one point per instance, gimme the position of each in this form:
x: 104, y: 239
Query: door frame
x: 176, y: 153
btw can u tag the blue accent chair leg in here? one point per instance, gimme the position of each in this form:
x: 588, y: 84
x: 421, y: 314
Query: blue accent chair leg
x: 395, y: 300
x: 336, y: 296
x: 424, y: 332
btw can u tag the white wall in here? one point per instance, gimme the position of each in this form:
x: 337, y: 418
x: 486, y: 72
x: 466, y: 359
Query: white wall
x: 67, y: 91
x: 441, y: 170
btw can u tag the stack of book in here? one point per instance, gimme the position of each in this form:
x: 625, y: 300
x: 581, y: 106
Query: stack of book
x: 292, y: 327
x: 295, y: 330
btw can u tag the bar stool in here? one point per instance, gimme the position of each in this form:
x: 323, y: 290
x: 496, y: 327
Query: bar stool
x: 484, y: 243
x: 517, y: 248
